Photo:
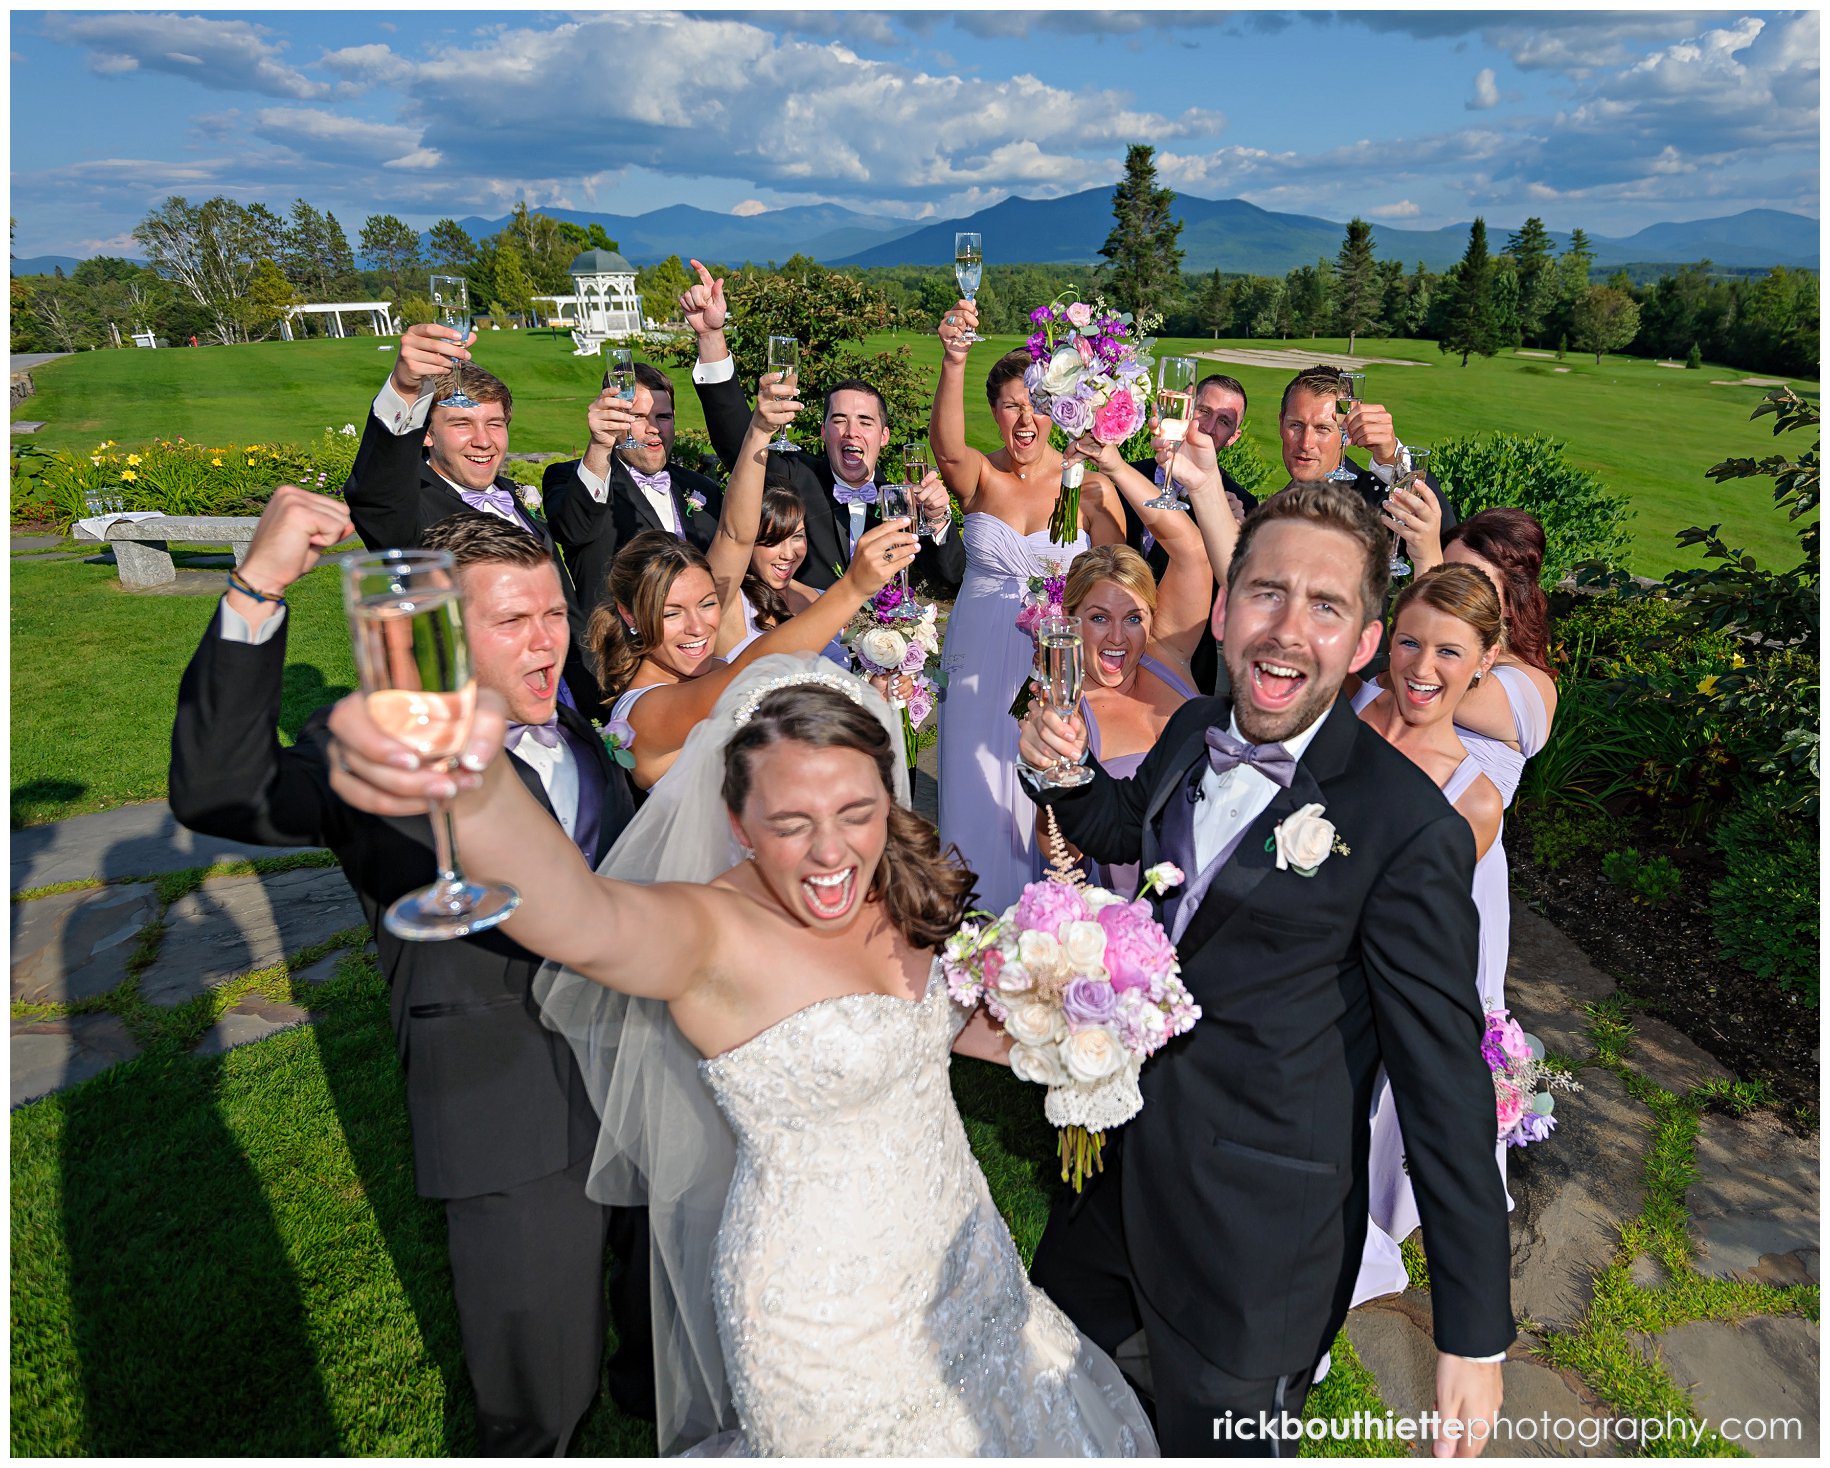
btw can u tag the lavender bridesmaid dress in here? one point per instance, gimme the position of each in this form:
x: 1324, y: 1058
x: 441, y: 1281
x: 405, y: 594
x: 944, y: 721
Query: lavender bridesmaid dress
x: 1123, y: 879
x: 983, y: 806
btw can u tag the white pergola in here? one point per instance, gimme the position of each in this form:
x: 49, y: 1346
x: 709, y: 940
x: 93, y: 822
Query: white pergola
x: 381, y: 316
x: 606, y: 298
x: 565, y: 309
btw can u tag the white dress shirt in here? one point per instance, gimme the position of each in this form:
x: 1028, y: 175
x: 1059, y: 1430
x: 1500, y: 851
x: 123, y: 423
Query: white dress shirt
x: 665, y: 510
x: 1232, y: 801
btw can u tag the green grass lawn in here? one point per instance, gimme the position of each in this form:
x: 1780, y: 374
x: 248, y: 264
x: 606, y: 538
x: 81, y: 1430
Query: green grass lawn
x: 1649, y: 432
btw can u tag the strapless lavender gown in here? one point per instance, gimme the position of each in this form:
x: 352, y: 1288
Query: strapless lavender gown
x: 1123, y: 879
x: 983, y: 806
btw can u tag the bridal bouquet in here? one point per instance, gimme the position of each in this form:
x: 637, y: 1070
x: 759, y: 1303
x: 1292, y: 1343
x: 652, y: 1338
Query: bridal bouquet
x: 1091, y: 374
x: 1523, y: 1112
x: 894, y: 633
x: 1087, y: 985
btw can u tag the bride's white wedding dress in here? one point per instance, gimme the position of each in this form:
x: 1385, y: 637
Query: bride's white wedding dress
x: 870, y: 1299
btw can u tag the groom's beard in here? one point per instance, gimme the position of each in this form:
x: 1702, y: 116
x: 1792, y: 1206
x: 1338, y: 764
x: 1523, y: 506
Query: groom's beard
x: 1262, y: 727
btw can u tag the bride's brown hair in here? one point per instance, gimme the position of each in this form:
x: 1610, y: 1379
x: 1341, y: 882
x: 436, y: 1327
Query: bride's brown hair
x: 925, y: 893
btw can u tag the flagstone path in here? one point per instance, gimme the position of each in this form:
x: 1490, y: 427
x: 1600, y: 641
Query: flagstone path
x: 1665, y: 1245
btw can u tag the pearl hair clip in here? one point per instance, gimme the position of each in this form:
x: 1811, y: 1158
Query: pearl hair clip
x: 852, y: 688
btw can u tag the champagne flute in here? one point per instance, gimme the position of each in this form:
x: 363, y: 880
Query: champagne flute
x: 1063, y: 666
x: 1345, y: 396
x: 915, y: 468
x: 622, y: 378
x: 896, y: 501
x: 1175, y: 403
x: 451, y: 294
x: 968, y: 267
x: 414, y: 666
x: 785, y: 358
x: 1410, y: 471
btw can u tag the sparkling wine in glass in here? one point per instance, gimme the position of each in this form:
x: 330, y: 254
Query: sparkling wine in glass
x: 1063, y: 666
x: 785, y: 358
x: 968, y: 268
x: 622, y: 378
x: 1175, y: 404
x: 414, y: 666
x: 451, y: 295
x: 894, y: 501
x: 1345, y: 397
x: 1411, y: 469
x: 915, y: 468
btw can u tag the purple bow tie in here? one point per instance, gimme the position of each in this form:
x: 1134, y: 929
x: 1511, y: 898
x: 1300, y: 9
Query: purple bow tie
x: 1272, y: 761
x: 864, y: 494
x: 547, y: 733
x: 495, y: 496
x: 661, y: 483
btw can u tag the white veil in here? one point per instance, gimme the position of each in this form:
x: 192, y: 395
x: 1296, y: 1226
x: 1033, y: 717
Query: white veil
x: 663, y: 1142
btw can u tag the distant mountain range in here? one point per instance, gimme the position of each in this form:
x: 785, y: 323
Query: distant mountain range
x: 1223, y: 234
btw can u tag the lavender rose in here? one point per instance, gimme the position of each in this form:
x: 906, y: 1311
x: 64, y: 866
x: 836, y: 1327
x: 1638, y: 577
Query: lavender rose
x: 1070, y: 415
x: 1089, y: 1002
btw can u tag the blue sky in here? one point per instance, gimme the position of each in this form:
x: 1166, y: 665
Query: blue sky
x: 1607, y: 120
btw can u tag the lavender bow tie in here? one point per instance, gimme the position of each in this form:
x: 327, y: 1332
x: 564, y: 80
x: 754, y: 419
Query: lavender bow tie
x: 864, y: 494
x: 1272, y: 761
x: 661, y: 483
x: 495, y: 497
x: 547, y: 733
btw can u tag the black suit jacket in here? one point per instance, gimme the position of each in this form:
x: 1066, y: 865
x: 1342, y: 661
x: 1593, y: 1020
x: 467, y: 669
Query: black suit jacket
x: 395, y: 496
x: 590, y: 534
x: 1244, y: 1179
x: 727, y: 417
x: 494, y: 1096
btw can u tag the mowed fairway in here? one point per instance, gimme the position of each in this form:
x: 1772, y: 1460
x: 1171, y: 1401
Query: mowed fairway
x: 1648, y: 432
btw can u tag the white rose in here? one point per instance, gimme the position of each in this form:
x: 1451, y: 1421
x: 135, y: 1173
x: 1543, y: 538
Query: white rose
x: 1063, y: 372
x: 883, y: 646
x: 1038, y: 951
x: 1013, y: 978
x: 1040, y: 1065
x: 1098, y: 897
x: 1304, y: 840
x: 1084, y: 943
x: 1033, y: 1022
x: 1092, y: 1055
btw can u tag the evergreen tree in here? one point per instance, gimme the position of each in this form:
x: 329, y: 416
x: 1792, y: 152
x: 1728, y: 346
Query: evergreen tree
x: 391, y: 247
x: 1530, y: 250
x: 1214, y: 306
x: 1308, y: 290
x: 1358, y: 289
x: 1419, y: 291
x: 1144, y: 262
x: 1505, y: 298
x: 449, y: 247
x: 1468, y: 317
x: 661, y: 287
x: 514, y: 286
x: 304, y: 255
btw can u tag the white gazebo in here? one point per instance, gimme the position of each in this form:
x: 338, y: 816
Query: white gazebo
x: 381, y: 316
x: 607, y: 304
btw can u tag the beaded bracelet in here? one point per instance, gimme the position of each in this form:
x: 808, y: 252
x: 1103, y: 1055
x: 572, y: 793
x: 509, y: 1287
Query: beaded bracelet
x: 237, y: 584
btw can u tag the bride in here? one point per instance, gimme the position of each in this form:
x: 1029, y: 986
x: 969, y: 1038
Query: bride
x: 866, y: 1296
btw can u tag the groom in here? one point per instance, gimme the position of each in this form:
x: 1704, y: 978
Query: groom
x: 1229, y: 1222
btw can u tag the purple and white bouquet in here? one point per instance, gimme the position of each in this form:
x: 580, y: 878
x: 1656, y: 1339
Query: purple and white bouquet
x: 1091, y: 374
x: 1522, y: 1111
x: 896, y: 633
x: 1087, y: 986
x: 1042, y: 596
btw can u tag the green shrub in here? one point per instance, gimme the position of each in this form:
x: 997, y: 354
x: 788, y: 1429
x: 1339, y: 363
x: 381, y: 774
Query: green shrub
x: 1581, y: 520
x: 1563, y: 832
x: 1246, y: 464
x: 1695, y: 359
x: 1652, y: 880
x: 417, y: 311
x: 1765, y: 911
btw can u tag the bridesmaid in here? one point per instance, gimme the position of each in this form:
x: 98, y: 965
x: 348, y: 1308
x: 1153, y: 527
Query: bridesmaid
x: 1447, y: 634
x: 1007, y: 497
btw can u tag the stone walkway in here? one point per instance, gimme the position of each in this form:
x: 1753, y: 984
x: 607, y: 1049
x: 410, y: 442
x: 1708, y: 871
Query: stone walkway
x: 1750, y: 1208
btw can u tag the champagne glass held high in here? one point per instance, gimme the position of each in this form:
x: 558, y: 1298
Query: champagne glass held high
x: 414, y: 665
x: 451, y: 295
x: 785, y: 358
x: 1411, y: 471
x: 968, y: 267
x: 895, y: 502
x: 1175, y: 401
x: 1346, y: 394
x: 1063, y: 666
x: 622, y: 378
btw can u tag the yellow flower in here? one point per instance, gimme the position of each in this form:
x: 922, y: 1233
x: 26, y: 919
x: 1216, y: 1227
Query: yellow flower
x: 250, y: 463
x: 129, y: 475
x: 1708, y: 685
x: 133, y: 458
x: 216, y: 463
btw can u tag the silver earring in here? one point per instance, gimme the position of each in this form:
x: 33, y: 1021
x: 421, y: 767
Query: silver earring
x: 749, y: 852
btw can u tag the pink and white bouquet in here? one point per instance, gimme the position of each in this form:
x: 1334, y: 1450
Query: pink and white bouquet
x: 1087, y: 986
x: 1522, y: 1111
x: 1090, y: 374
x: 895, y: 633
x: 1042, y: 594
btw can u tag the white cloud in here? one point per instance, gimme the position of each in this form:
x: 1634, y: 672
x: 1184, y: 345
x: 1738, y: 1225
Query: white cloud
x: 223, y: 55
x: 749, y: 207
x: 1403, y: 209
x: 1486, y: 93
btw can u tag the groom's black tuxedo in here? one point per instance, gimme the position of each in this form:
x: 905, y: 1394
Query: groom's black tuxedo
x: 1241, y: 1190
x: 503, y: 1128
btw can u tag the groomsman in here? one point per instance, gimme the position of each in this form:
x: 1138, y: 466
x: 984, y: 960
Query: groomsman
x: 837, y: 486
x: 595, y: 504
x: 503, y: 1130
x: 1327, y: 929
x: 433, y: 446
x: 1309, y: 428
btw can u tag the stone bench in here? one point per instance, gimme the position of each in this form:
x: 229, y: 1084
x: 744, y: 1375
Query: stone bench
x: 141, y: 546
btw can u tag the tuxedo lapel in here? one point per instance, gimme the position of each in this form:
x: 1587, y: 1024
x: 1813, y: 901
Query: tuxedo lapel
x: 833, y: 514
x: 531, y: 779
x: 621, y: 483
x: 598, y: 768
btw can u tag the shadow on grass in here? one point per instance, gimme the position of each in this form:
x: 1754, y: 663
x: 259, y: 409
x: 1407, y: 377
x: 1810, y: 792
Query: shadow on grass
x: 303, y: 691
x: 36, y: 798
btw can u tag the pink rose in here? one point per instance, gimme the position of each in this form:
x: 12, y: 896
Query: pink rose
x: 1085, y: 349
x: 1137, y: 950
x: 1118, y: 418
x: 1512, y: 1041
x: 1079, y: 314
x: 1509, y: 1105
x: 1047, y: 905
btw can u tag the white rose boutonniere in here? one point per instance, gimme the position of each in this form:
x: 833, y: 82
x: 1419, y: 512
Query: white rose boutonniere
x: 529, y: 496
x: 1304, y: 841
x: 695, y: 501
